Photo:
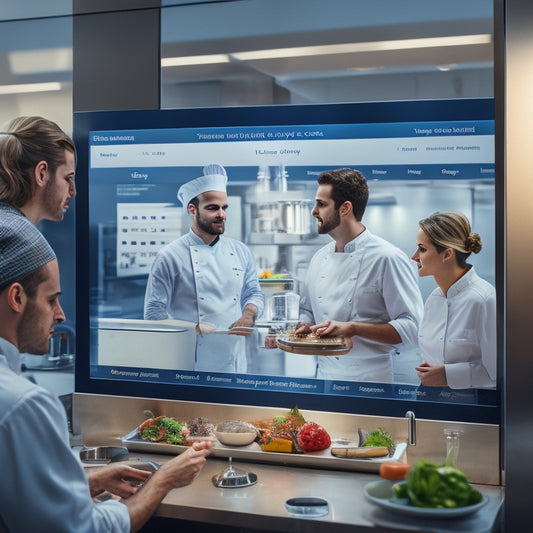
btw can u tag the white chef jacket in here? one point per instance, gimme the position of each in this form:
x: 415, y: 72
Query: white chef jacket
x: 44, y: 487
x: 193, y: 281
x: 459, y: 331
x: 371, y: 281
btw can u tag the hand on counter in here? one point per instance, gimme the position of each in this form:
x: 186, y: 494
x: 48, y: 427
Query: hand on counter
x: 121, y: 480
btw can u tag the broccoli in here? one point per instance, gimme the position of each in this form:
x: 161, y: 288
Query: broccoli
x: 440, y: 487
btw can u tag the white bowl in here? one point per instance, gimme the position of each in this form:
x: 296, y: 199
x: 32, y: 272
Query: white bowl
x: 236, y: 439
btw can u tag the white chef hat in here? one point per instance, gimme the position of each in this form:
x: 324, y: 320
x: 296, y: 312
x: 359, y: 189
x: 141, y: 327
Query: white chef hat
x: 214, y: 179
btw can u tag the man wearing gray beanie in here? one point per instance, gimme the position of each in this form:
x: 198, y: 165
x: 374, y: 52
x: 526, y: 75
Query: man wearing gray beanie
x: 44, y: 487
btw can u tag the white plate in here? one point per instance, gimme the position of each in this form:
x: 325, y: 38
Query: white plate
x: 381, y: 493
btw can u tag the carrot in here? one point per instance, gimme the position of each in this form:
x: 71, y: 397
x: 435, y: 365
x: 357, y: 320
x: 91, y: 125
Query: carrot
x: 394, y: 470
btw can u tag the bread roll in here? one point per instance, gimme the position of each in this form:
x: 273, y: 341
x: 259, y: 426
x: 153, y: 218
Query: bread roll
x: 361, y: 451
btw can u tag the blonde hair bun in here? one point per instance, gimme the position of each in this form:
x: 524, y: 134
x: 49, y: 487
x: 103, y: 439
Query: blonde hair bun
x: 473, y: 243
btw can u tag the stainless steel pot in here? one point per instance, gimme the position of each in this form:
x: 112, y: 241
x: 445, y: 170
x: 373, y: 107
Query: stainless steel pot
x: 295, y: 217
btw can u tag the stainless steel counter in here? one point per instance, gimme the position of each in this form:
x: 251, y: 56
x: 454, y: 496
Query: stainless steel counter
x: 262, y: 506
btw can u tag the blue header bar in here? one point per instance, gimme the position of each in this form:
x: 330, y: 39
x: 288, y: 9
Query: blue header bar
x: 304, y: 132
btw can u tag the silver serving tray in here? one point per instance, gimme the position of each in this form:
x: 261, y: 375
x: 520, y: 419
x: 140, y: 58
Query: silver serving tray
x: 252, y: 452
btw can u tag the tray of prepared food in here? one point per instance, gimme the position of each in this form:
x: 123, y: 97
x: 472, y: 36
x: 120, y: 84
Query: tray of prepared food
x: 311, y: 344
x: 287, y: 439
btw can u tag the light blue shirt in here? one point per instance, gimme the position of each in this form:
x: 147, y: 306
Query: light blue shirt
x: 43, y: 485
x: 211, y: 285
x: 371, y: 281
x: 459, y: 331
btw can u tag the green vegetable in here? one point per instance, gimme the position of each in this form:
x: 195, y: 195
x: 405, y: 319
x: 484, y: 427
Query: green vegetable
x: 173, y: 433
x: 378, y: 437
x: 429, y: 485
x: 164, y: 429
x: 151, y: 433
x: 292, y: 418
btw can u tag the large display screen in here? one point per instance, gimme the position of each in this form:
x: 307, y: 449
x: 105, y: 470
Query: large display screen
x: 418, y: 157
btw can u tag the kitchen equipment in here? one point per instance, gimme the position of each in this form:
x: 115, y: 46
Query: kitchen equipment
x: 269, y: 288
x: 285, y: 306
x: 274, y: 213
x: 296, y: 218
x: 146, y: 343
x: 233, y: 478
x: 102, y: 454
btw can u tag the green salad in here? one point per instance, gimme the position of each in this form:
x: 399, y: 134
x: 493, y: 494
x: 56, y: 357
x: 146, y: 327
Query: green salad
x: 163, y: 429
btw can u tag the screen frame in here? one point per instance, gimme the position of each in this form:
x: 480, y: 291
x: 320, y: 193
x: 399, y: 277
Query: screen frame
x: 368, y: 112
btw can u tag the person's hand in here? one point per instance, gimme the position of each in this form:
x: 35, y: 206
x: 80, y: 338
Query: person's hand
x: 121, y: 480
x: 203, y: 329
x: 302, y: 328
x: 243, y: 326
x: 332, y: 328
x: 183, y: 469
x: 432, y: 375
x: 178, y: 472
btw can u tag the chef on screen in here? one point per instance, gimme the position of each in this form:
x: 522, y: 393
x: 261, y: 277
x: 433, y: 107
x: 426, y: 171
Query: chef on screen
x: 457, y: 337
x: 358, y: 286
x: 207, y: 278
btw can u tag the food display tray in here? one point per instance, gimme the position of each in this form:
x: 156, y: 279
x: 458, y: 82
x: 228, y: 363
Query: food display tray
x: 253, y: 453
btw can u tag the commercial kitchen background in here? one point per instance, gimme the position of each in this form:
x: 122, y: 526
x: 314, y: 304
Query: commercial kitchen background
x: 39, y: 40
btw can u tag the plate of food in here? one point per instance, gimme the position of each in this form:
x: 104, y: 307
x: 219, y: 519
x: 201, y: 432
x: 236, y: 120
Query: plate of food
x: 312, y: 344
x: 429, y: 492
x: 287, y: 438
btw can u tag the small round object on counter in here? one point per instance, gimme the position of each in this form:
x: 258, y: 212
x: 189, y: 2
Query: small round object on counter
x: 307, y: 507
x: 236, y: 433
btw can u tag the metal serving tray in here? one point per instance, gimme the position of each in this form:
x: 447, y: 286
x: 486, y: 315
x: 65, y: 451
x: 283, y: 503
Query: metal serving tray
x: 253, y: 453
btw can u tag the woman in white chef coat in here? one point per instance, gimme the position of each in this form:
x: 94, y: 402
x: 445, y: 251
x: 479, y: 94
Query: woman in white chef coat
x: 457, y: 337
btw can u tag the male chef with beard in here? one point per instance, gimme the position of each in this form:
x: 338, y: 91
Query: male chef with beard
x: 359, y: 286
x: 207, y: 278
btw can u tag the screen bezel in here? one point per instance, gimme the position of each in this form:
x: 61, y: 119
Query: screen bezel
x: 369, y: 112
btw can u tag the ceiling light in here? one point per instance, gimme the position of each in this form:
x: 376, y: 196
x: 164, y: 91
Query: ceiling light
x: 373, y: 46
x: 30, y: 88
x: 194, y: 60
x: 446, y: 68
x: 365, y: 69
x: 35, y: 61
